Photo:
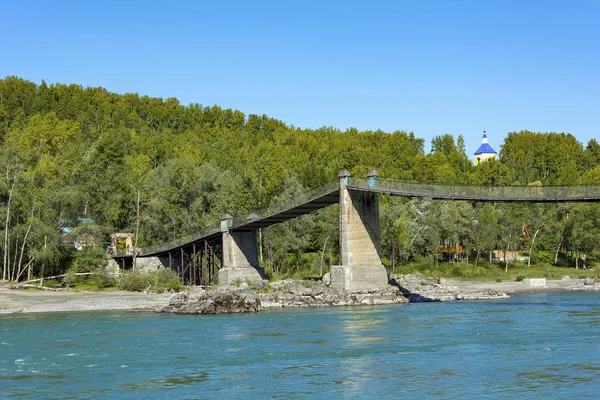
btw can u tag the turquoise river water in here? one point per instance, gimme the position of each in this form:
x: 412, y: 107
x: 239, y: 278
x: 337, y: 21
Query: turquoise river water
x: 526, y: 347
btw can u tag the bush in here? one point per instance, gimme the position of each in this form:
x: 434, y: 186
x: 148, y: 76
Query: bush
x: 89, y: 259
x: 542, y: 257
x: 167, y: 280
x: 520, y: 278
x: 102, y: 279
x: 155, y: 281
x: 51, y: 283
x: 134, y: 282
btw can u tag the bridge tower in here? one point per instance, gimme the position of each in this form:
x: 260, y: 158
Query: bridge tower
x: 361, y: 267
x: 240, y: 254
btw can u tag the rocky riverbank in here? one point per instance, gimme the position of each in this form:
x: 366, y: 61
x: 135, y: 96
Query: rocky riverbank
x: 417, y: 289
x: 263, y: 295
x: 291, y: 293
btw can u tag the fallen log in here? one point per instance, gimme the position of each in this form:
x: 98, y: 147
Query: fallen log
x: 29, y: 284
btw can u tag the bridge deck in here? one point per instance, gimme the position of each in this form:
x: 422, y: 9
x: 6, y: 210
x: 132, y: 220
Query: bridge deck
x: 523, y: 194
x: 302, y: 204
x: 329, y: 194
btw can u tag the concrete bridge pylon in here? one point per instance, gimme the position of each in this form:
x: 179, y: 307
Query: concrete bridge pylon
x: 240, y: 255
x: 361, y: 267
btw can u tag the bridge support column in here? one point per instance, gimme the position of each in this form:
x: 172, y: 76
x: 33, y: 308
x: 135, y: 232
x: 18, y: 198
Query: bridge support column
x: 361, y: 268
x: 240, y: 255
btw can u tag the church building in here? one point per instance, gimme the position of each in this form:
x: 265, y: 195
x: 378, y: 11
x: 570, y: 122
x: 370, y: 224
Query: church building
x: 484, y: 152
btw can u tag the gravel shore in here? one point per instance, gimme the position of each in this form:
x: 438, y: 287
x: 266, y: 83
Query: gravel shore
x: 34, y: 301
x: 414, y: 288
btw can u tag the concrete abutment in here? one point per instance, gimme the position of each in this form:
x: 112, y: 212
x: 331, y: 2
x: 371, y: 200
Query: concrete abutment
x: 240, y: 255
x: 361, y: 267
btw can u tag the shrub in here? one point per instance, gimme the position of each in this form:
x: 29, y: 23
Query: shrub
x: 155, y: 281
x: 134, y: 282
x: 167, y: 280
x: 520, y: 278
x: 102, y: 279
x: 89, y: 259
x: 51, y: 283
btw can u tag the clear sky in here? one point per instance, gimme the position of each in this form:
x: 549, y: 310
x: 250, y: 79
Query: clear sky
x: 426, y: 66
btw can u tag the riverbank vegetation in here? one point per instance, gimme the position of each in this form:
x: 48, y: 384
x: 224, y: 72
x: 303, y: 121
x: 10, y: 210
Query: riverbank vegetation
x: 80, y: 158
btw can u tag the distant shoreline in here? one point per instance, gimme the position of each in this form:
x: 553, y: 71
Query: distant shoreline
x: 510, y: 288
x: 34, y: 301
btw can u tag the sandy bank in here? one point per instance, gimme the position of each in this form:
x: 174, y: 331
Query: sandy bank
x: 32, y: 301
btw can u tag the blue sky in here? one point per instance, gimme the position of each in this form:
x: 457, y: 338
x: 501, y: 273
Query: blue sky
x: 427, y: 66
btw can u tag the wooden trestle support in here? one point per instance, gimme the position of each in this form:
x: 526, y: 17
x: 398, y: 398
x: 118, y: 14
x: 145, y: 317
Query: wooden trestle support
x: 197, y: 264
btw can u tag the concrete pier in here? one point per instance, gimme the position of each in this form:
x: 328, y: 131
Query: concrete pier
x: 361, y: 268
x: 240, y: 255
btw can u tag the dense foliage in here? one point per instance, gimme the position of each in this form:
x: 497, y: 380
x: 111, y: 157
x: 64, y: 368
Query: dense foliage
x: 69, y: 152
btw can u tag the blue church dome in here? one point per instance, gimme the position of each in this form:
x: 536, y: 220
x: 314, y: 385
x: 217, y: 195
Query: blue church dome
x: 485, y: 147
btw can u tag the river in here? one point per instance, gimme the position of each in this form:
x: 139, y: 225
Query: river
x: 524, y: 347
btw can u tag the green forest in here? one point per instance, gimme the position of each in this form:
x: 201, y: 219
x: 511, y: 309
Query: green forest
x: 69, y: 152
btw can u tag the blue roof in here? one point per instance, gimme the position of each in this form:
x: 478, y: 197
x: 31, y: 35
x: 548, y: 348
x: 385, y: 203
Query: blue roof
x: 485, y: 148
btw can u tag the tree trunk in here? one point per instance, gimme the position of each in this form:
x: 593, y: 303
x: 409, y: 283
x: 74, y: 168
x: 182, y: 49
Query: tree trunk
x: 392, y: 259
x: 137, y: 231
x: 13, y: 268
x: 43, y: 262
x: 323, y: 253
x: 6, y: 259
x: 557, y: 250
x: 531, y: 248
x: 260, y: 246
x: 577, y: 260
x: 24, y: 243
x: 26, y: 267
x: 22, y: 251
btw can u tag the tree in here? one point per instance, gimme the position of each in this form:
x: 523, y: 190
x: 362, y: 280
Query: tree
x: 486, y: 229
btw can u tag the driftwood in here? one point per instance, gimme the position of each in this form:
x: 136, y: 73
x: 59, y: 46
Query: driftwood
x: 27, y: 284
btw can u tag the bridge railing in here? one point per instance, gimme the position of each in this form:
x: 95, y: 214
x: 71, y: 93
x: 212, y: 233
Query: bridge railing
x: 505, y: 193
x: 180, y: 241
x: 291, y: 202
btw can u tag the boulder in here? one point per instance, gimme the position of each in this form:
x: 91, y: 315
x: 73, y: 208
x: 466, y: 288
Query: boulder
x: 289, y: 293
x: 417, y: 290
x: 222, y: 300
